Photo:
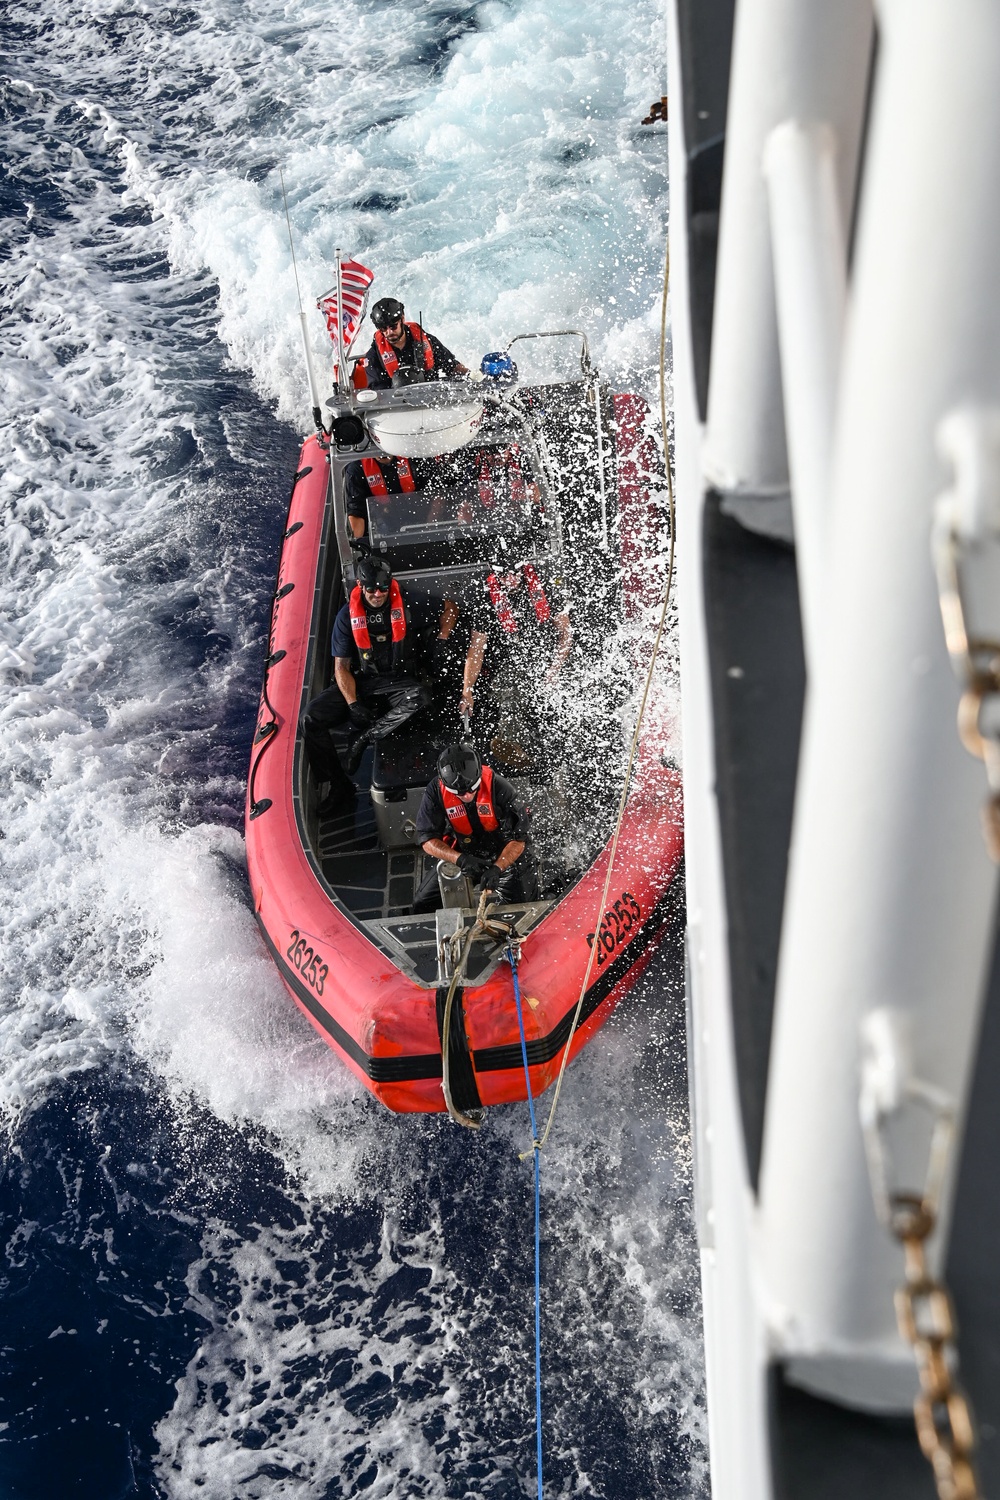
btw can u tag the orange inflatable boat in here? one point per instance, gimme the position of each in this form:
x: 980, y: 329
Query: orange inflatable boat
x: 333, y: 896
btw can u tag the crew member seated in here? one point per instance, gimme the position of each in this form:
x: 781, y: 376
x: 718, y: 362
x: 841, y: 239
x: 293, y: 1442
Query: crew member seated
x: 401, y: 346
x: 516, y: 616
x: 504, y: 486
x: 384, y: 479
x: 379, y: 478
x: 473, y: 818
x: 375, y: 690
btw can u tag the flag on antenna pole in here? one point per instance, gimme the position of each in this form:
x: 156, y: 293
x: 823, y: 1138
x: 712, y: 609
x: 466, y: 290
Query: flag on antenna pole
x: 355, y: 279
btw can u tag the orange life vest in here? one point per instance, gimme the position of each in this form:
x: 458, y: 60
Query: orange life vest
x: 494, y: 467
x: 457, y: 813
x: 501, y: 603
x: 390, y: 358
x: 360, y: 632
x: 376, y: 479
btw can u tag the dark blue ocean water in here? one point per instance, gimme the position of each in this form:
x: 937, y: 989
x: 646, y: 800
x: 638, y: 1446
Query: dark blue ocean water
x: 226, y: 1271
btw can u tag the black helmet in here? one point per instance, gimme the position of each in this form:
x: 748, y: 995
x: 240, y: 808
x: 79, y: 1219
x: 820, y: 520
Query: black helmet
x: 460, y: 768
x: 386, y: 311
x: 374, y: 573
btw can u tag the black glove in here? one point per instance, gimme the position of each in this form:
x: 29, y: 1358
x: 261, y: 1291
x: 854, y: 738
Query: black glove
x: 359, y: 715
x: 360, y: 546
x: 491, y: 877
x: 472, y: 864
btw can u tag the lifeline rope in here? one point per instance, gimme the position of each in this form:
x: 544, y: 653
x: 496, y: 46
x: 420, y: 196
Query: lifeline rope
x: 536, y: 1146
x: 642, y: 709
x: 483, y: 923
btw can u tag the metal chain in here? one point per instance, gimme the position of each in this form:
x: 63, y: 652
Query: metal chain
x: 925, y: 1314
x: 977, y: 667
x: 965, y: 518
x: 926, y: 1318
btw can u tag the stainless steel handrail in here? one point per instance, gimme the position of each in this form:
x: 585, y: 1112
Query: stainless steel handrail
x: 559, y: 333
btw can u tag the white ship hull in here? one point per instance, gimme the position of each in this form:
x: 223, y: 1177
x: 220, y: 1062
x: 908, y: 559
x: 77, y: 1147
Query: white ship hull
x: 834, y: 239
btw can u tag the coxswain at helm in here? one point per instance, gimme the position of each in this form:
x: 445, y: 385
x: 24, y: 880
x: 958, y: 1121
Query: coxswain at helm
x: 381, y: 479
x: 376, y: 645
x: 471, y: 817
x: 402, y: 351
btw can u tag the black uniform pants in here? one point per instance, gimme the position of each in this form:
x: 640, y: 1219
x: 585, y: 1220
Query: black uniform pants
x: 393, y: 702
x: 516, y: 884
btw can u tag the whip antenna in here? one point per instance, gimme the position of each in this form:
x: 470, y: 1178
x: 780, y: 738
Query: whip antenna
x: 342, y: 353
x: 313, y: 389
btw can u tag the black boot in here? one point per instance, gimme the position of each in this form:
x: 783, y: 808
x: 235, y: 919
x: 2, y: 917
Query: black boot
x: 339, y: 800
x: 356, y: 747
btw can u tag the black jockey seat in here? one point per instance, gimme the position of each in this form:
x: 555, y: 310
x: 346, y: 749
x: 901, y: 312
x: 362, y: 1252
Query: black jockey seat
x: 404, y: 763
x: 404, y: 760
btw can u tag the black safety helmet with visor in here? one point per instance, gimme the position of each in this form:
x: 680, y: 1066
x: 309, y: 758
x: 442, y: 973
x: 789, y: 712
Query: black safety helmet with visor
x: 374, y: 575
x: 460, y: 768
x: 386, y: 312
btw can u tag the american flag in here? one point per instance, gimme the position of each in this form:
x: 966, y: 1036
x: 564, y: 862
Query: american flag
x: 355, y: 280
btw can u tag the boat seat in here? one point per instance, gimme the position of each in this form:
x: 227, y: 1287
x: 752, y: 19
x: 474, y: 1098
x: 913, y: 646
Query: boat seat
x: 403, y: 761
x: 402, y: 767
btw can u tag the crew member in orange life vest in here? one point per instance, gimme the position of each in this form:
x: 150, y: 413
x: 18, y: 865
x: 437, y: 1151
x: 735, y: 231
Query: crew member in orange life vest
x: 375, y: 690
x: 504, y: 486
x: 378, y: 478
x: 473, y: 818
x: 517, y: 613
x: 399, y: 345
x: 378, y: 481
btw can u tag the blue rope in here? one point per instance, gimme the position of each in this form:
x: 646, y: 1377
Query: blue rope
x: 512, y: 960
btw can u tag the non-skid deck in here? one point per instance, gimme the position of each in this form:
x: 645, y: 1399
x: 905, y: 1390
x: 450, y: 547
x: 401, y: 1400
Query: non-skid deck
x: 371, y: 882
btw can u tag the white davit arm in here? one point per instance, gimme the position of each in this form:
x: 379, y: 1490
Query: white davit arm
x: 890, y: 891
x: 810, y: 278
x: 791, y: 61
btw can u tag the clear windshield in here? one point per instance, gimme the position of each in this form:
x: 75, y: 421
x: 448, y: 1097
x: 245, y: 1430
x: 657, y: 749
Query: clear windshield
x: 482, y: 490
